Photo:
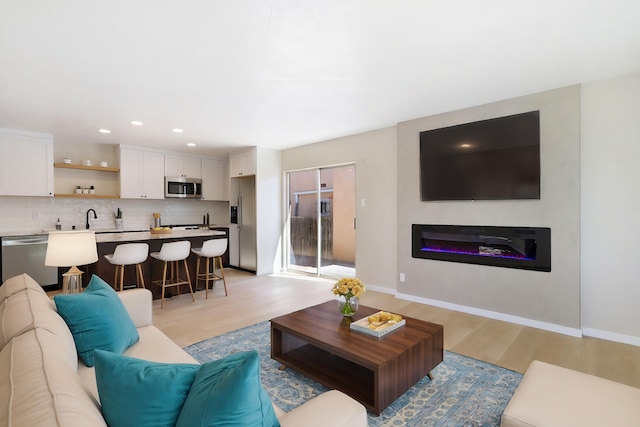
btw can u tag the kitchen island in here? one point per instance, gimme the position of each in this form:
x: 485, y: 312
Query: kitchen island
x: 151, y: 268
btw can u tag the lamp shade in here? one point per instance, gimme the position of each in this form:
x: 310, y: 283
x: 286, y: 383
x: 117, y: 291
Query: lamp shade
x: 71, y: 248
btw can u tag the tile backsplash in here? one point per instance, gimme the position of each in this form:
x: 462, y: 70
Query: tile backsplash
x: 37, y: 214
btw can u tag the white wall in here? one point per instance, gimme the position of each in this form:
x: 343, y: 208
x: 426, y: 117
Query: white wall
x: 610, y: 185
x: 374, y: 154
x: 268, y: 212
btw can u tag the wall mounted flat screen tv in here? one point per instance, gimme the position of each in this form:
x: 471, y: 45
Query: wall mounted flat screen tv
x: 495, y: 159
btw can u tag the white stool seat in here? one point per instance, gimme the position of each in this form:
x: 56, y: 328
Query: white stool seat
x: 171, y: 253
x: 128, y: 254
x: 211, y: 249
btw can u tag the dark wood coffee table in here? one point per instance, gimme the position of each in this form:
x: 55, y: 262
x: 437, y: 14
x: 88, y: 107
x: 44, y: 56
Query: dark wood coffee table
x: 318, y: 343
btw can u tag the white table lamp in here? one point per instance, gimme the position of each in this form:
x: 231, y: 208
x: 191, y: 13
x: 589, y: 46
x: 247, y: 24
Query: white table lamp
x: 70, y: 249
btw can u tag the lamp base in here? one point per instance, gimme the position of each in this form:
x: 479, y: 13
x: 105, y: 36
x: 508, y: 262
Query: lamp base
x: 72, y: 281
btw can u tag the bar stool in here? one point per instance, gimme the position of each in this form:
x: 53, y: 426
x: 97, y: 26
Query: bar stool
x: 129, y: 254
x: 172, y: 253
x: 213, y: 248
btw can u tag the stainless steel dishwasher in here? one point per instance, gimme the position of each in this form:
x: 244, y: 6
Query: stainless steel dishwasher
x: 25, y: 254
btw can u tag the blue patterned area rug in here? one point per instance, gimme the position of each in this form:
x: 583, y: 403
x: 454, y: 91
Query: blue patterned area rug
x: 463, y: 389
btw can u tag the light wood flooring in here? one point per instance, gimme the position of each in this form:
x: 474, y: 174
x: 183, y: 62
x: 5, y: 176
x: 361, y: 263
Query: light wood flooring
x: 253, y: 299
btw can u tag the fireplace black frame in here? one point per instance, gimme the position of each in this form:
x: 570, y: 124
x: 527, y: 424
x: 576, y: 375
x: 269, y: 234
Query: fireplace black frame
x: 484, y: 245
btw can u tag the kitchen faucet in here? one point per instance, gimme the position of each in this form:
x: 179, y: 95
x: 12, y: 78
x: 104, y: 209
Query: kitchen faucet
x: 94, y: 217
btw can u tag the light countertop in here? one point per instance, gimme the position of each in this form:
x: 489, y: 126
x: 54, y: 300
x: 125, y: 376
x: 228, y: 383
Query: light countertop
x: 147, y: 235
x: 102, y: 231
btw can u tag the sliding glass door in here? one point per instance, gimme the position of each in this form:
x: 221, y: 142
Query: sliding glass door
x: 303, y: 221
x: 321, y: 221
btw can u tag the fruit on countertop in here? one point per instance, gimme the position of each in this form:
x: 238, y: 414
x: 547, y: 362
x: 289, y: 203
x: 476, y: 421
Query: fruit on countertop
x: 161, y: 230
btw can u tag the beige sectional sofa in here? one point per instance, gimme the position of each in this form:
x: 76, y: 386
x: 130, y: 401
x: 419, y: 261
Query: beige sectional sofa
x: 553, y: 396
x: 43, y: 383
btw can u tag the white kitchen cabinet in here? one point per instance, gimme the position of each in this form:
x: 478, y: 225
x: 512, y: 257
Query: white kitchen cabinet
x: 187, y: 166
x: 242, y: 163
x: 215, y: 179
x: 235, y: 164
x: 26, y: 163
x: 141, y: 174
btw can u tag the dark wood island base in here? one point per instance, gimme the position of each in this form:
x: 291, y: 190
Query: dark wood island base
x: 318, y: 343
x: 151, y: 268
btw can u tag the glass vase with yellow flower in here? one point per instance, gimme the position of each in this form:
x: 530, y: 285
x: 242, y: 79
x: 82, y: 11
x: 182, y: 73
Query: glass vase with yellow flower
x: 348, y: 290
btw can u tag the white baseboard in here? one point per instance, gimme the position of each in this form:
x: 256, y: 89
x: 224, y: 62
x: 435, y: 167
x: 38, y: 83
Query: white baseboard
x: 611, y: 336
x: 574, y: 332
x: 381, y: 289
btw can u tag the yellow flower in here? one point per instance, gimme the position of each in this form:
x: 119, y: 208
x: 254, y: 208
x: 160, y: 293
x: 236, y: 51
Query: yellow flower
x: 349, y: 287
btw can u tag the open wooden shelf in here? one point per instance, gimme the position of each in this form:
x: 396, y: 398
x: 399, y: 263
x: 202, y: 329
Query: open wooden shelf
x: 88, y: 196
x: 86, y: 168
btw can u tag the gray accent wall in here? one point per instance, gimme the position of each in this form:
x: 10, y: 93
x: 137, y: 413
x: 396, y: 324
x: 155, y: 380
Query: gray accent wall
x: 545, y: 297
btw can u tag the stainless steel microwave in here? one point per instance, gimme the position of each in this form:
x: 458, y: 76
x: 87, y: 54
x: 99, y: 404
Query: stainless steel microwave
x: 182, y: 187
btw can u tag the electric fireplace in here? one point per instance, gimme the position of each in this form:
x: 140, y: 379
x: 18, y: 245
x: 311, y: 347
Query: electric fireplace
x: 527, y: 248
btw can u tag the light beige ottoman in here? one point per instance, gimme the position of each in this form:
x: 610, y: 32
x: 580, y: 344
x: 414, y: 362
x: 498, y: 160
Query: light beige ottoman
x: 549, y: 395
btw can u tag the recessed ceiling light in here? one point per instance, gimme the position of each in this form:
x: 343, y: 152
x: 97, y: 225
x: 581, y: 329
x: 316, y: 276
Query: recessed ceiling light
x: 191, y: 144
x: 136, y: 123
x: 104, y: 131
x: 178, y: 130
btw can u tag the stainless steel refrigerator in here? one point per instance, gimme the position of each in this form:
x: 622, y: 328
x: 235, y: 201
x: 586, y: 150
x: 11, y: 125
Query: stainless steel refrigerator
x: 242, y: 232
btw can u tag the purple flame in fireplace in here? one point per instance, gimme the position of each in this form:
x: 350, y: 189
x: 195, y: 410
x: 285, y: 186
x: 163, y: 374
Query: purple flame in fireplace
x: 487, y: 251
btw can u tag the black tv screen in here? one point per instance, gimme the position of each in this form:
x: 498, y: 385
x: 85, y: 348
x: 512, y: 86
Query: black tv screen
x: 495, y: 159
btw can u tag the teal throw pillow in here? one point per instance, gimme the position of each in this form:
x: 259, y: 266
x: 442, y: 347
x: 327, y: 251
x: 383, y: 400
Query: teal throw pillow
x: 228, y: 393
x: 97, y: 319
x: 135, y: 392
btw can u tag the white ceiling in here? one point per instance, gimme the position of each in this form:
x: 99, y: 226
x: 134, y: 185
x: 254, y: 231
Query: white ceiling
x: 282, y: 73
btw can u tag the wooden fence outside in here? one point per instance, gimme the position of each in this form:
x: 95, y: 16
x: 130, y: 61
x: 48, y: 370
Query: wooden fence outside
x: 304, y: 237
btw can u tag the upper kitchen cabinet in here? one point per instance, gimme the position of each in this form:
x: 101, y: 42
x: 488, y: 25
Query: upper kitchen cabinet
x: 141, y: 174
x: 186, y: 166
x: 242, y: 163
x: 26, y: 163
x: 215, y: 179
